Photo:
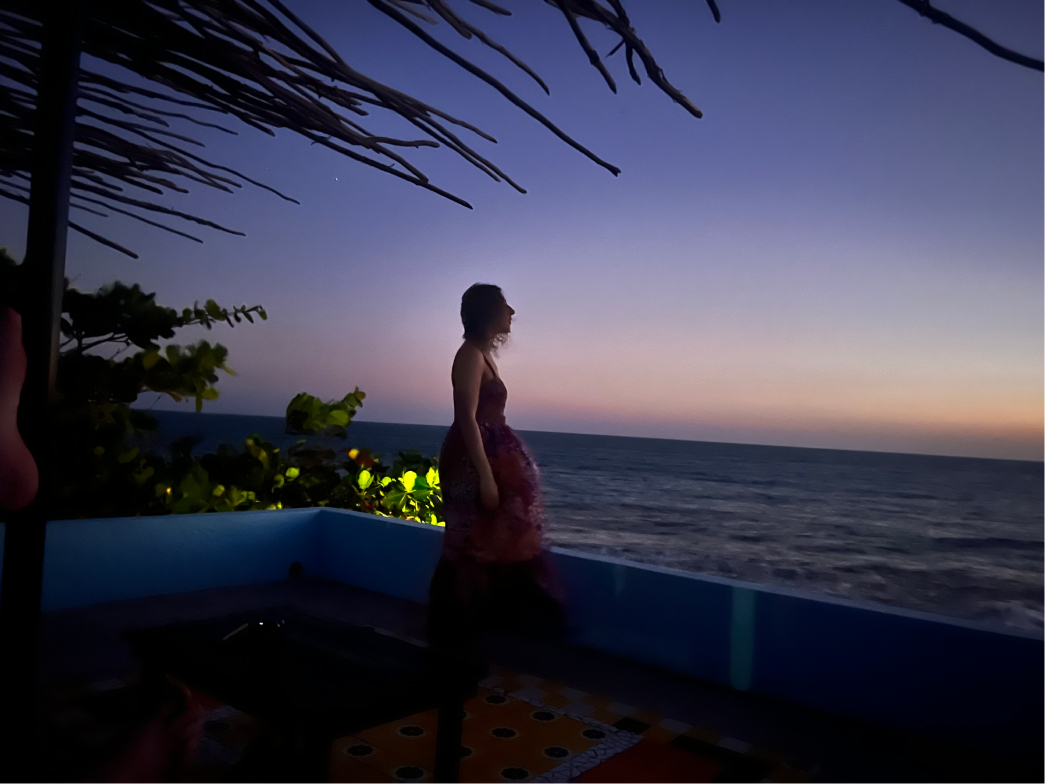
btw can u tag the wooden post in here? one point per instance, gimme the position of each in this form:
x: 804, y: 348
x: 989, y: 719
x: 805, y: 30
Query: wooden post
x: 41, y: 309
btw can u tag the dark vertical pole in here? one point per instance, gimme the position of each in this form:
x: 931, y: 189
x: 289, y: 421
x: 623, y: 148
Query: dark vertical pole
x: 41, y: 309
x: 448, y: 736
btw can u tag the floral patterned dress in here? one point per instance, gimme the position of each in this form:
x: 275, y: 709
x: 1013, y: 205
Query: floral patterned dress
x: 494, y: 571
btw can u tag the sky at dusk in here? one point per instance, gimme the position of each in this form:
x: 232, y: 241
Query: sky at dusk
x: 846, y: 251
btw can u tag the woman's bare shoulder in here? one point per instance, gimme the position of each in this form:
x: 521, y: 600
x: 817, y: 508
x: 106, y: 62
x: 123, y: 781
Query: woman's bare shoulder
x: 467, y: 362
x: 468, y: 354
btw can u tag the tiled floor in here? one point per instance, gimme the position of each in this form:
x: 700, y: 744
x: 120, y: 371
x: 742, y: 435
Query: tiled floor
x: 523, y: 728
x: 519, y: 727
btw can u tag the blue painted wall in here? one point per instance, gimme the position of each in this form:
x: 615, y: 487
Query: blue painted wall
x: 95, y: 561
x: 648, y: 614
x: 395, y: 557
x: 925, y: 672
x: 916, y: 670
x: 921, y: 671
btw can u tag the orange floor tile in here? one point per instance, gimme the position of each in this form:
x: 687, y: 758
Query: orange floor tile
x: 521, y: 728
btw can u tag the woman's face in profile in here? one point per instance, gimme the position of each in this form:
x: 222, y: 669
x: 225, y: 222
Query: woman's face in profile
x: 504, y: 324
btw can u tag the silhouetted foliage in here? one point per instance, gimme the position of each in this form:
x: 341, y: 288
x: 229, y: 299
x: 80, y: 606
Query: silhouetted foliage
x: 257, y: 61
x: 115, y: 349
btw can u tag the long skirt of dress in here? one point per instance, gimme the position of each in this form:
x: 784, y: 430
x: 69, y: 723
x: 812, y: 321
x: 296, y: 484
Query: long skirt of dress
x: 494, y: 573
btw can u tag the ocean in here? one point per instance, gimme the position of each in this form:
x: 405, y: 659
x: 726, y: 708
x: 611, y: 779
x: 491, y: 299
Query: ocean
x: 957, y: 536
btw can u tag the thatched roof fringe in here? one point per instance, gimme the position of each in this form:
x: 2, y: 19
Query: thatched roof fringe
x: 257, y: 61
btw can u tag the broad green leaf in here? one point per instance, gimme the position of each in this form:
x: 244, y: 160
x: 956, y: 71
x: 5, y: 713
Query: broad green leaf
x: 395, y: 499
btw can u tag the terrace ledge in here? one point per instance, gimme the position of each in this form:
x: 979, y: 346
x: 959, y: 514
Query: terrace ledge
x: 946, y: 678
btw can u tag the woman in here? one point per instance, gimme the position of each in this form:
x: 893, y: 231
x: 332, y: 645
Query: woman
x: 493, y: 571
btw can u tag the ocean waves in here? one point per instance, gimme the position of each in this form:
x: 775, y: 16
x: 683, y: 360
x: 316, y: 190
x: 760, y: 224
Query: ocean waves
x: 956, y: 536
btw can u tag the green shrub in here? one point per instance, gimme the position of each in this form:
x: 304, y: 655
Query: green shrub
x: 111, y: 354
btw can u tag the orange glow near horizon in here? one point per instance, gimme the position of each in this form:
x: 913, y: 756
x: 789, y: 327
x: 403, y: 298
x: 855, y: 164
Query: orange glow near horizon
x: 696, y: 389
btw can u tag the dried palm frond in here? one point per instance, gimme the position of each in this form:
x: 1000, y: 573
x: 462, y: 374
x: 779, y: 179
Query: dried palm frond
x: 256, y: 61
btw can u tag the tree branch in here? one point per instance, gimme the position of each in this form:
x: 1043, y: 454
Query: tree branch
x: 935, y: 15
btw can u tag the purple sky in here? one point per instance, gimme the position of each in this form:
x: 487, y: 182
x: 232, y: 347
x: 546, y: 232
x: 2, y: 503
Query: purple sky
x: 846, y: 251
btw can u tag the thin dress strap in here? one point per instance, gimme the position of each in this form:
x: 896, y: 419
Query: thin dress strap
x: 489, y: 364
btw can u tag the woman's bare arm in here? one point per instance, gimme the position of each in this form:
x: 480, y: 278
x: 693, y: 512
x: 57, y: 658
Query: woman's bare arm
x: 467, y: 377
x: 18, y: 475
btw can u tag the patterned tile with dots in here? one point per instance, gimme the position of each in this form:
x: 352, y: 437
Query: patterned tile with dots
x: 523, y: 728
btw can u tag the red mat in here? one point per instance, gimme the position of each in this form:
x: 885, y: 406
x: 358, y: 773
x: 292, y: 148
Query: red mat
x: 649, y: 761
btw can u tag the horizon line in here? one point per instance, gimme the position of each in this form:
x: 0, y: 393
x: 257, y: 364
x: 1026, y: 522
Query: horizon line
x: 649, y: 438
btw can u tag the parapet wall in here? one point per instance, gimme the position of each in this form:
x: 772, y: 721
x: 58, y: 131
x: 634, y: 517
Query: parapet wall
x: 932, y: 674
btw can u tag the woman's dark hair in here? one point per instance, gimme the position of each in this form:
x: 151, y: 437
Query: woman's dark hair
x: 481, y: 307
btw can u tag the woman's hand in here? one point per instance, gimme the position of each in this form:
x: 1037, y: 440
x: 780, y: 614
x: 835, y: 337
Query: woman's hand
x: 489, y: 496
